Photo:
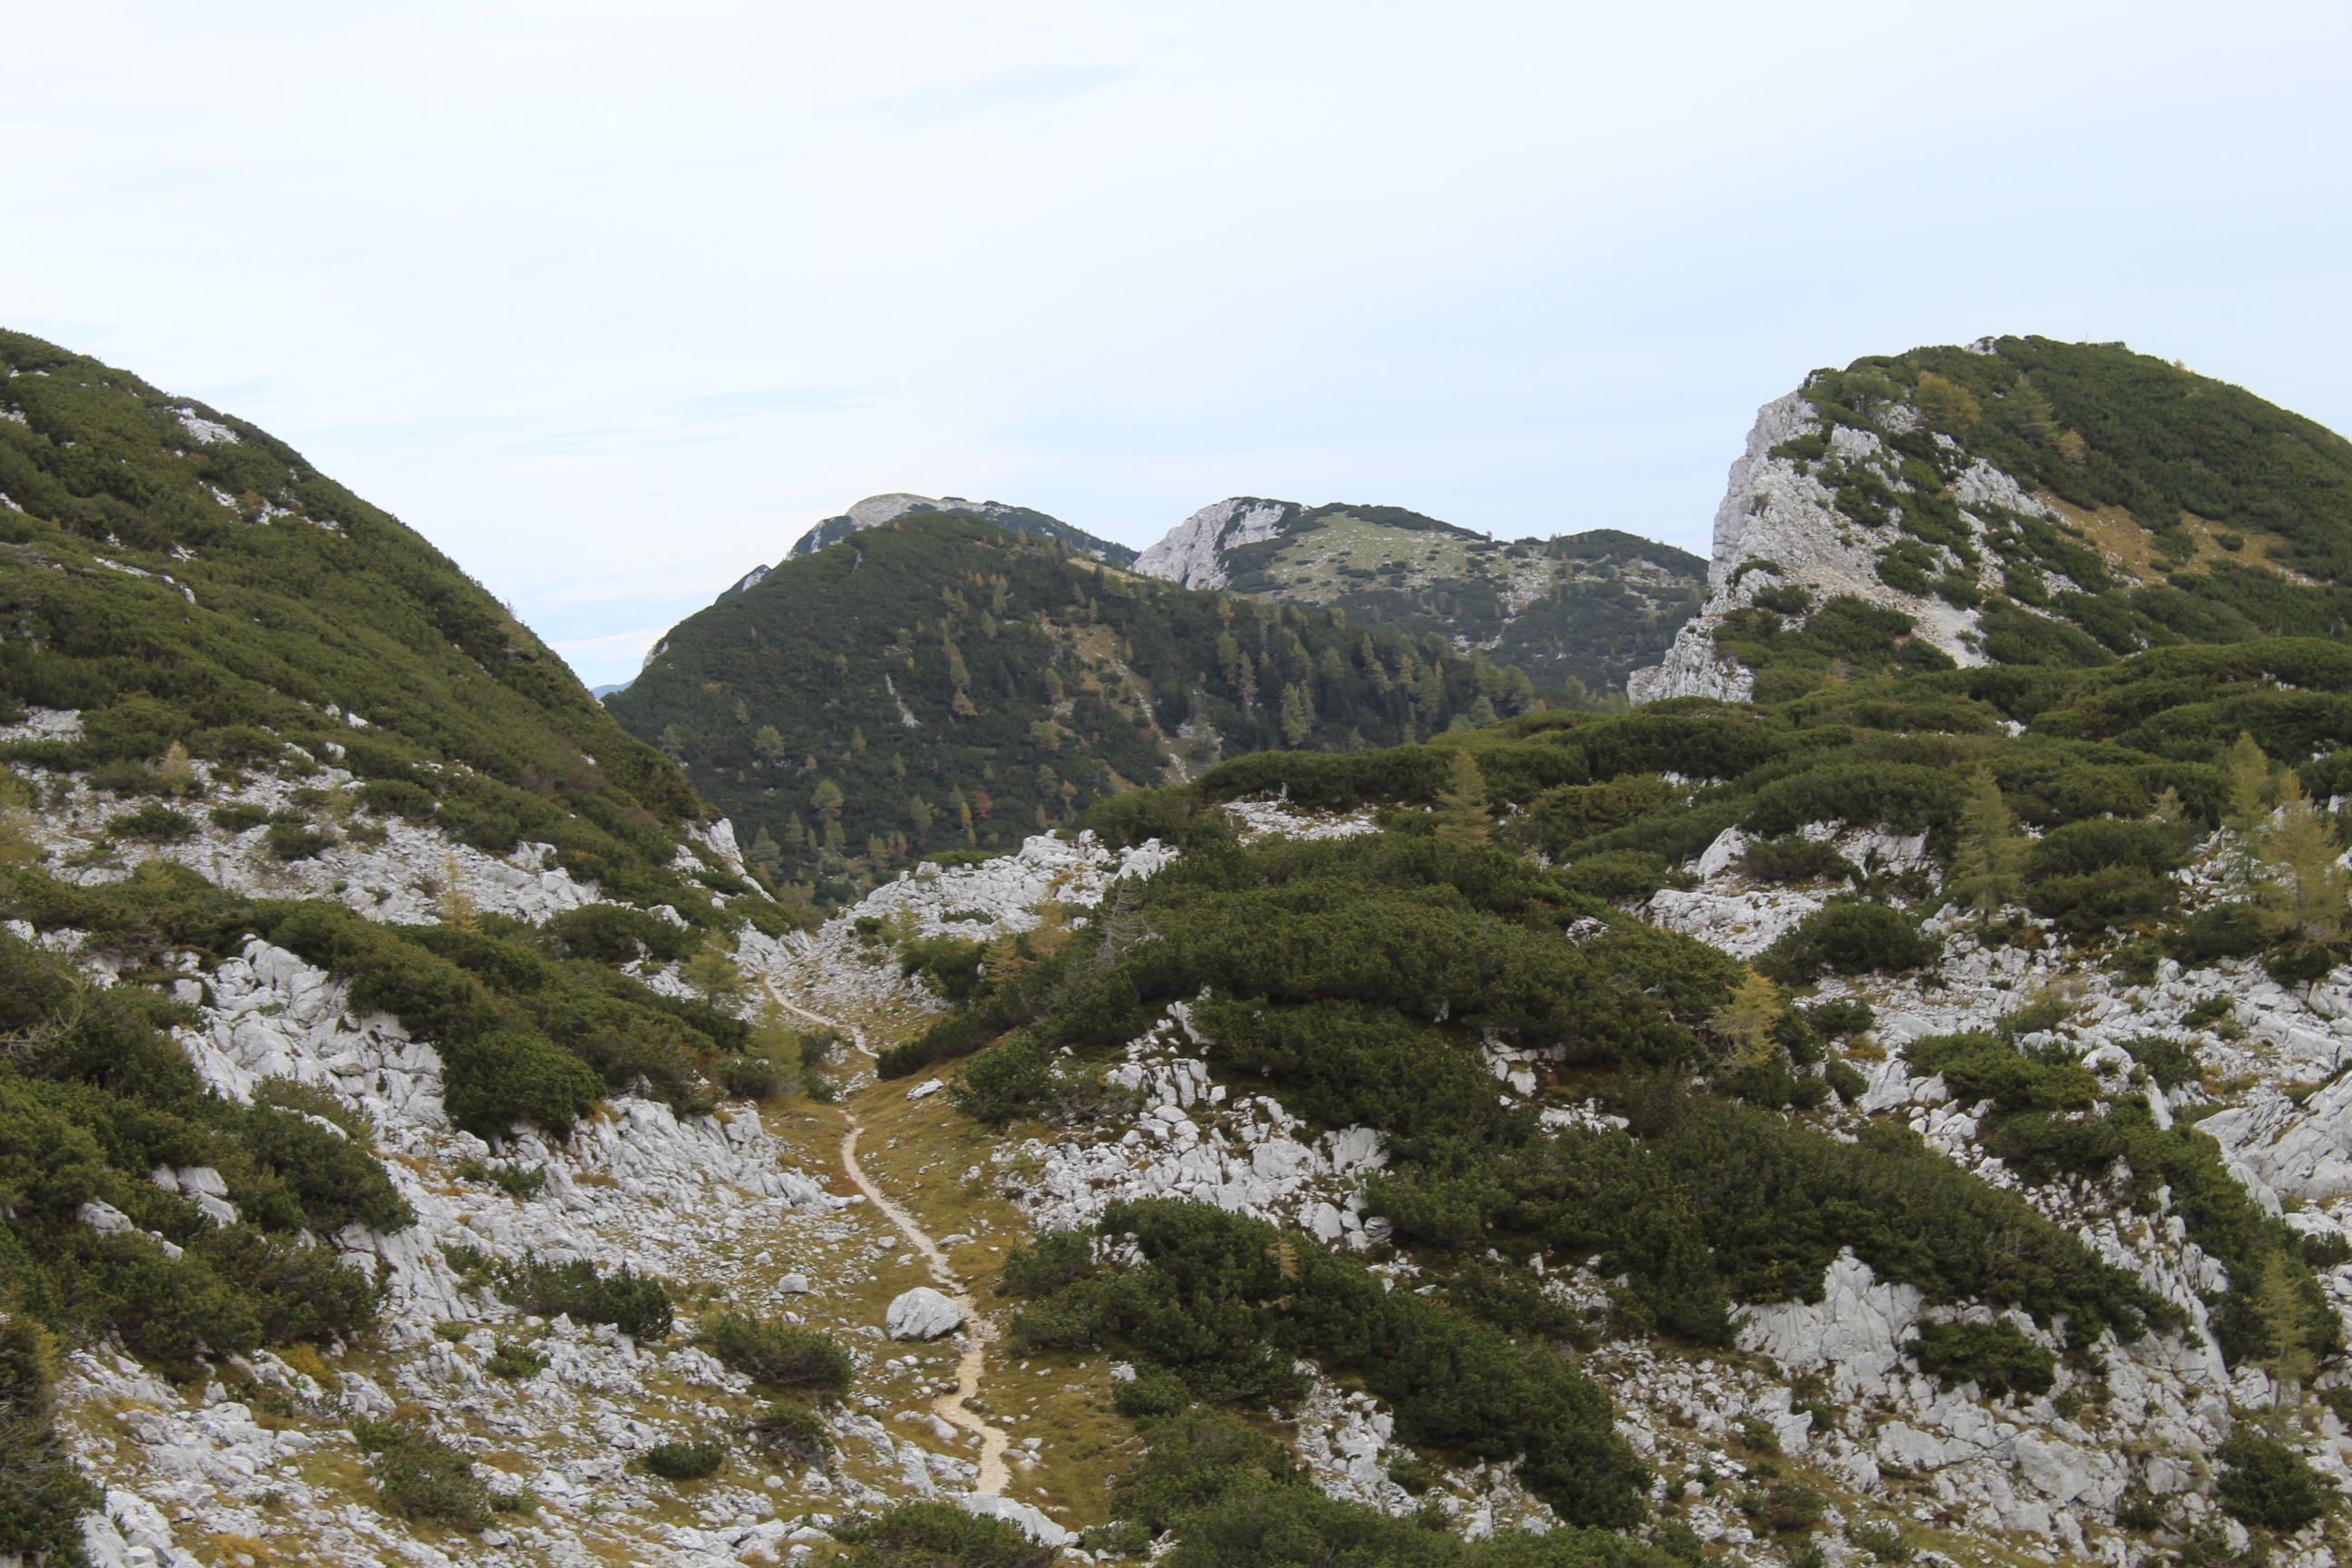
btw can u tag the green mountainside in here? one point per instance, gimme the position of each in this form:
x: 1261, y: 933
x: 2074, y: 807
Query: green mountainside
x: 941, y: 683
x: 875, y: 510
x: 1577, y: 612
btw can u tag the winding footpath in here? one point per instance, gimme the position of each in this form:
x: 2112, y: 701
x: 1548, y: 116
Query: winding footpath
x: 973, y: 1365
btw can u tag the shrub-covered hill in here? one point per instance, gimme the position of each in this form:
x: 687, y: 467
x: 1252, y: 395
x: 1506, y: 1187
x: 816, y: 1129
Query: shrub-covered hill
x: 875, y: 510
x: 183, y: 579
x: 1577, y: 612
x: 939, y: 683
x: 2017, y: 502
x: 1703, y: 1141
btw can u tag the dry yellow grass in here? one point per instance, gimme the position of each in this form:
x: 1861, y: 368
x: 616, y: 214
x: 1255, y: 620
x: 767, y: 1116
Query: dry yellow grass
x: 2116, y: 534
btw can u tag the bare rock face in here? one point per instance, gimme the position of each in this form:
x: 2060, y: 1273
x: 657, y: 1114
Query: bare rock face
x: 1193, y: 552
x: 1779, y: 524
x: 922, y: 1313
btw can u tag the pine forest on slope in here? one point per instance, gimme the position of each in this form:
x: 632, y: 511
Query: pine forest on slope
x: 943, y: 684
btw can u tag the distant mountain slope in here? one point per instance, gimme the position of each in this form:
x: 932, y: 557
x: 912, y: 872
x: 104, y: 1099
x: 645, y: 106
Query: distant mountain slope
x: 2016, y: 501
x: 1580, y: 610
x: 943, y: 682
x: 875, y: 510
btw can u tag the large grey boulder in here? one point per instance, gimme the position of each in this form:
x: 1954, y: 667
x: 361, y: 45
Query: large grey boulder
x: 922, y: 1313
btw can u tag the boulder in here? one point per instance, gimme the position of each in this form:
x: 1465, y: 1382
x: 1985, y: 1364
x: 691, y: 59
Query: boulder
x: 922, y: 1313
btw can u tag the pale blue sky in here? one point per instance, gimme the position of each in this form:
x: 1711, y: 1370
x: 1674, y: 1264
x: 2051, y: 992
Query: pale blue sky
x: 610, y: 300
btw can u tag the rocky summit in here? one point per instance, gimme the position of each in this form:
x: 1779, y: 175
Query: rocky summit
x: 1292, y: 1093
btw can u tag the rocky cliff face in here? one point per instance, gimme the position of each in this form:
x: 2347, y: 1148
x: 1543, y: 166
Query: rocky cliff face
x: 1779, y: 525
x: 1194, y: 553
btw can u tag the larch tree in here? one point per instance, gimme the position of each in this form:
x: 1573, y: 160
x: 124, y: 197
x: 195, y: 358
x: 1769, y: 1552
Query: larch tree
x: 1747, y: 1020
x: 1461, y: 811
x: 711, y: 973
x: 2305, y: 893
x: 1988, y: 862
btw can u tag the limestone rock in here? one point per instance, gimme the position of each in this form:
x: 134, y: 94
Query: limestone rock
x: 922, y: 1313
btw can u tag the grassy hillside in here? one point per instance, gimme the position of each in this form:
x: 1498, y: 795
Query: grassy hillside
x: 940, y: 684
x: 1577, y: 612
x: 181, y: 578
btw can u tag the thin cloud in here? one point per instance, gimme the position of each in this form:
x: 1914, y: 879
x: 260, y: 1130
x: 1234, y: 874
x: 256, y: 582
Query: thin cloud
x: 770, y: 400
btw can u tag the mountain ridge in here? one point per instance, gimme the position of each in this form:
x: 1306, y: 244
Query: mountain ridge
x: 875, y: 511
x: 1577, y: 612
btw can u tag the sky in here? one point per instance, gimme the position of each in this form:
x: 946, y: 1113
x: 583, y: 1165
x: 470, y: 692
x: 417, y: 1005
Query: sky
x: 610, y: 301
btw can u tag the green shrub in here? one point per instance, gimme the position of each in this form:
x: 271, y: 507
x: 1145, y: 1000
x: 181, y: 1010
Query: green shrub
x: 516, y: 1361
x: 42, y: 1492
x: 791, y: 1433
x: 1883, y: 1540
x: 398, y: 797
x: 1227, y: 1304
x: 1997, y: 1357
x: 294, y: 840
x: 779, y: 1354
x: 937, y: 1535
x: 1193, y: 1458
x: 1014, y: 1080
x: 753, y: 1077
x: 1048, y: 1263
x: 1786, y: 1508
x: 1978, y: 1067
x: 1149, y: 1394
x: 685, y: 1462
x: 1849, y: 936
x: 515, y: 1180
x: 1843, y: 1018
x: 153, y: 823
x: 238, y: 817
x: 637, y: 1304
x: 1117, y: 1538
x: 950, y: 963
x: 616, y: 934
x: 420, y: 1476
x: 2265, y: 1483
x: 2169, y: 1062
x: 1796, y: 859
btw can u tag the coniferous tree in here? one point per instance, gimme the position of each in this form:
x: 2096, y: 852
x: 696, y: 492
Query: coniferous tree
x: 1462, y: 810
x: 1988, y: 865
x: 711, y: 973
x: 1747, y: 1020
x: 2245, y: 811
x: 1297, y: 716
x: 2303, y: 891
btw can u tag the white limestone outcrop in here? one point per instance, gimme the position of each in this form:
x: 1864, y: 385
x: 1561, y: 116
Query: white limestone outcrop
x: 1193, y: 552
x: 1779, y: 524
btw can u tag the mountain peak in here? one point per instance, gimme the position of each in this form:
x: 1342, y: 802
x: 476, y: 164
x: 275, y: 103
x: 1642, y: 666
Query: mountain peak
x: 875, y: 510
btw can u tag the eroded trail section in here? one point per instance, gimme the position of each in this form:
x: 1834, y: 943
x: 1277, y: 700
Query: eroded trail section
x: 973, y: 1365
